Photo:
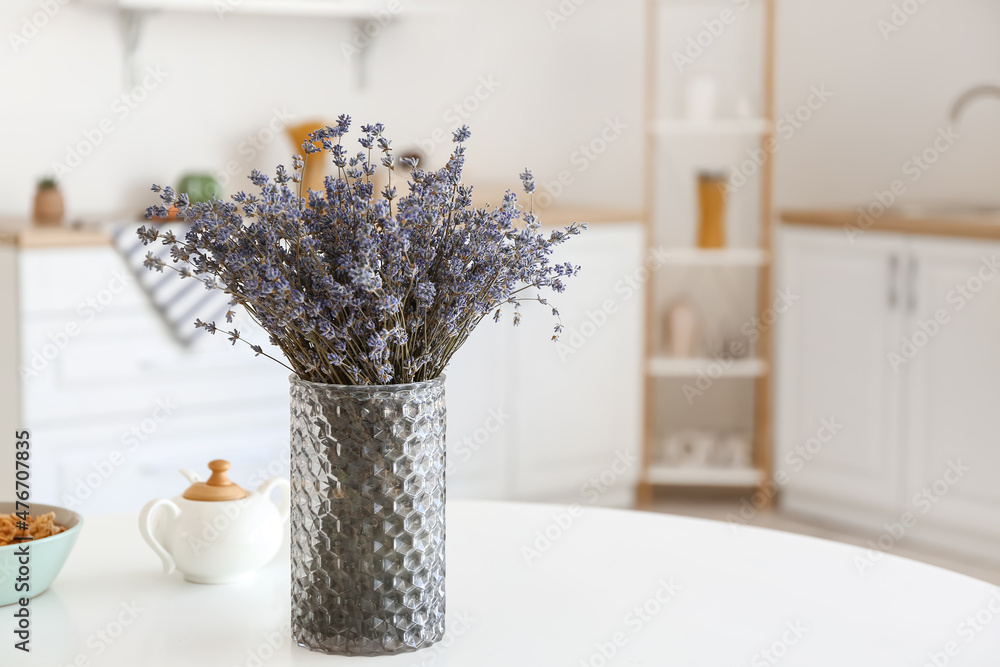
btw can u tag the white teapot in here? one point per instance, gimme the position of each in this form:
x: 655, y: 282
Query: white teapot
x: 216, y: 532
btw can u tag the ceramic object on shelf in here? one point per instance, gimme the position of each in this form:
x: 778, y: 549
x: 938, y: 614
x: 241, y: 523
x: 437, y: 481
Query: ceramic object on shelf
x: 216, y: 532
x: 49, y: 207
x: 47, y: 554
x: 688, y: 448
x: 700, y: 99
x: 681, y: 329
x: 200, y: 188
x: 732, y: 450
x: 697, y: 448
x: 712, y: 209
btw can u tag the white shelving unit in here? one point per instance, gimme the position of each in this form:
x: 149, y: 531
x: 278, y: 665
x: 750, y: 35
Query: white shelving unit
x: 718, y: 283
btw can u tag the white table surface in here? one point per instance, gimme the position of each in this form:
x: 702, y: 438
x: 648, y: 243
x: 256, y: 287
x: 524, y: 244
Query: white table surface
x: 739, y: 593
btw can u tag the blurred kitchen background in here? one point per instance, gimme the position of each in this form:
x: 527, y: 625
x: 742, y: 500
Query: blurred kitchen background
x: 786, y: 315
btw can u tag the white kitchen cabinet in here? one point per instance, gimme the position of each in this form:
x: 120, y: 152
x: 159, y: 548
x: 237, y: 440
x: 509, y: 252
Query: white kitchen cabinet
x: 894, y: 338
x: 113, y: 404
x: 953, y: 392
x: 116, y: 406
x: 577, y: 404
x: 480, y: 428
x: 832, y: 366
x: 532, y: 419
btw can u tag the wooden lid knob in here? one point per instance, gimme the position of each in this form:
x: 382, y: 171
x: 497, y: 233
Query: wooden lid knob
x: 218, y: 486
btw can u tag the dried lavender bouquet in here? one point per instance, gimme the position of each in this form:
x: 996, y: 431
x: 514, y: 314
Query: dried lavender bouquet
x: 357, y: 287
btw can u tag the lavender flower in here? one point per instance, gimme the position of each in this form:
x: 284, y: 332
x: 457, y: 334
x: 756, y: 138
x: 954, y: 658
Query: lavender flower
x: 360, y: 287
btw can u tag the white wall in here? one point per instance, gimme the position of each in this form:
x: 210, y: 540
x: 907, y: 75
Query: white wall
x: 226, y: 76
x: 889, y: 98
x: 557, y: 87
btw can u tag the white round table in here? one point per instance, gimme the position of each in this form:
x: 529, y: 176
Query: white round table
x: 539, y: 585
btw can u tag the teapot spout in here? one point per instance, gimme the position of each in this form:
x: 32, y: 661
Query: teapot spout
x: 190, y: 475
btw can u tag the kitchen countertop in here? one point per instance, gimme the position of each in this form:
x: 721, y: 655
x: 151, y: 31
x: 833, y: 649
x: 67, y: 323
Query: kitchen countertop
x: 542, y: 585
x: 22, y: 234
x: 563, y: 216
x: 967, y: 225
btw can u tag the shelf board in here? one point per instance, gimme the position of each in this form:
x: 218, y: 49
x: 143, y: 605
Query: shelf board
x: 727, y: 368
x: 659, y: 473
x: 721, y: 257
x: 317, y: 8
x: 709, y: 3
x: 719, y: 126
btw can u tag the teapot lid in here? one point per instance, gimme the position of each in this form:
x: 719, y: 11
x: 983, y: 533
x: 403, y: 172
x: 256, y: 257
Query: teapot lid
x: 218, y: 486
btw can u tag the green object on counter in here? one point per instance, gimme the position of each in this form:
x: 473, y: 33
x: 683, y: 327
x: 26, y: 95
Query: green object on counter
x: 200, y: 188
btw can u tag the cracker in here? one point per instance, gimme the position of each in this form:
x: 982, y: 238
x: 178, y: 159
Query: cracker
x: 38, y: 528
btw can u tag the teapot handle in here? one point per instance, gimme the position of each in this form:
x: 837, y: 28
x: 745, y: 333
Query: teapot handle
x: 283, y: 502
x: 146, y: 521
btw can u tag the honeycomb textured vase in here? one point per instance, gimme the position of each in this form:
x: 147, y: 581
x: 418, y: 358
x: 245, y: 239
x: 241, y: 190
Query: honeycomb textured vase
x: 368, y: 496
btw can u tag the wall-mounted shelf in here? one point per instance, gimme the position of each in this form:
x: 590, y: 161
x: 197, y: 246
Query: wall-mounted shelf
x: 681, y: 476
x: 347, y: 9
x: 720, y: 126
x: 729, y: 368
x: 133, y: 15
x: 751, y: 257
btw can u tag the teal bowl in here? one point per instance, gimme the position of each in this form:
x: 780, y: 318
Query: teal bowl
x: 47, y: 555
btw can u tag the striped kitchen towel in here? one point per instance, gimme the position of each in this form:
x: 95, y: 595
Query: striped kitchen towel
x: 177, y: 302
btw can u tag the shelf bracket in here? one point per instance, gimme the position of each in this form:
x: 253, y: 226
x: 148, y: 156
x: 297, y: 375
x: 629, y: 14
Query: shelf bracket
x: 131, y: 22
x: 360, y: 58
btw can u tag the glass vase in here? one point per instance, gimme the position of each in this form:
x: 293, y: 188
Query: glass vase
x: 367, y: 516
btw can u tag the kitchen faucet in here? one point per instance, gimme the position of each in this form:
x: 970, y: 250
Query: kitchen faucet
x: 971, y: 94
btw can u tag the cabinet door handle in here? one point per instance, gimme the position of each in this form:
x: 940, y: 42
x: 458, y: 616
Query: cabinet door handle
x: 911, y: 285
x: 893, y: 281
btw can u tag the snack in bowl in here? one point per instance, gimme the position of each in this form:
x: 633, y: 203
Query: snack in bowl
x: 37, y: 528
x: 54, y: 530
